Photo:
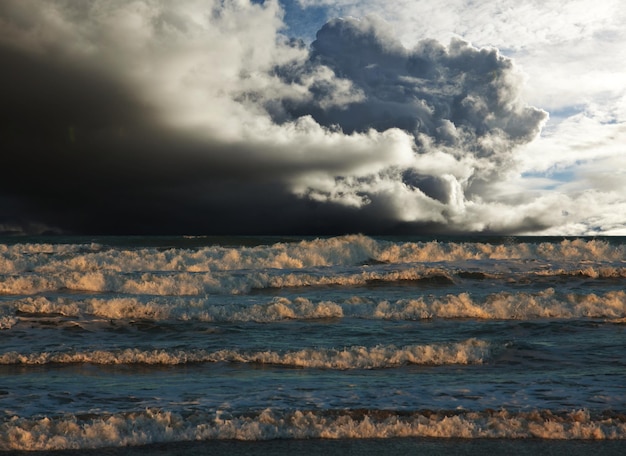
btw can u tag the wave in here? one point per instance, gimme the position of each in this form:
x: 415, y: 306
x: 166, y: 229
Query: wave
x: 27, y: 269
x: 338, y: 251
x: 546, y: 304
x: 7, y: 321
x: 246, y: 282
x: 155, y: 426
x: 188, y: 284
x: 471, y: 351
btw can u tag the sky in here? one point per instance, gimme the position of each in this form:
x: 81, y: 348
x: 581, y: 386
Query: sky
x: 313, y: 117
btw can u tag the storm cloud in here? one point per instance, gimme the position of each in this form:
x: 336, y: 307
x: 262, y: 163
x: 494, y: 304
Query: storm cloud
x: 203, y: 117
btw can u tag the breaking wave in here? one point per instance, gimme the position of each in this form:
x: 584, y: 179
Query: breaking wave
x: 338, y: 251
x: 348, y: 261
x: 471, y: 351
x: 152, y: 426
x: 498, y: 306
x: 189, y: 284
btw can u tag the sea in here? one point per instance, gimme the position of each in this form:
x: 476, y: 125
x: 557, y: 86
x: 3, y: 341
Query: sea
x: 333, y: 345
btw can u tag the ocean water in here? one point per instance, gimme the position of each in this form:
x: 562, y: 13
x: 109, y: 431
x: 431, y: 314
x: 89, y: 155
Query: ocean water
x: 173, y: 342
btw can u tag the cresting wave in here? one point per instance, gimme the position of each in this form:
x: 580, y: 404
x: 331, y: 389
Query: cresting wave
x: 498, y: 306
x: 152, y: 426
x: 338, y: 251
x: 28, y: 269
x: 188, y: 284
x: 471, y: 351
x: 245, y: 282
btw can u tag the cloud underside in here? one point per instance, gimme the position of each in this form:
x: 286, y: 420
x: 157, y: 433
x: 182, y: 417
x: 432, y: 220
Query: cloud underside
x: 163, y: 117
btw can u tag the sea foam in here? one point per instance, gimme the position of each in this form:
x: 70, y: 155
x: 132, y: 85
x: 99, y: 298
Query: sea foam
x: 496, y: 306
x: 151, y: 426
x: 339, y: 251
x: 28, y: 269
x: 471, y: 351
x: 244, y: 282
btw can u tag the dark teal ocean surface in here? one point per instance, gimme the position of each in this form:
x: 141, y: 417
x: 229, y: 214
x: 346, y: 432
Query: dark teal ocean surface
x: 182, y: 345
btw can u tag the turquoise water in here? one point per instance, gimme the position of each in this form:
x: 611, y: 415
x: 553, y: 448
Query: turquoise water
x: 109, y: 342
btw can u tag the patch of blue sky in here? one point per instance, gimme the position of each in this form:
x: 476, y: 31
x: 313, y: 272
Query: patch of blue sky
x: 553, y: 178
x: 556, y: 116
x: 567, y: 111
x: 303, y: 23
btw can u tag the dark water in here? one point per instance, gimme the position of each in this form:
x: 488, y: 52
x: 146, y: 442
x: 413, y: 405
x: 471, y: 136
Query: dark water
x: 258, y: 343
x: 365, y: 447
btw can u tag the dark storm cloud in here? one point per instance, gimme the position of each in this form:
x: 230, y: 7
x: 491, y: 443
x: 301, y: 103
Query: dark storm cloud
x: 82, y: 154
x: 153, y: 118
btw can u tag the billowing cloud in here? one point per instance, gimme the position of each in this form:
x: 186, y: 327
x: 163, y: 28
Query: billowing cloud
x: 203, y: 117
x: 572, y: 53
x: 457, y: 102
